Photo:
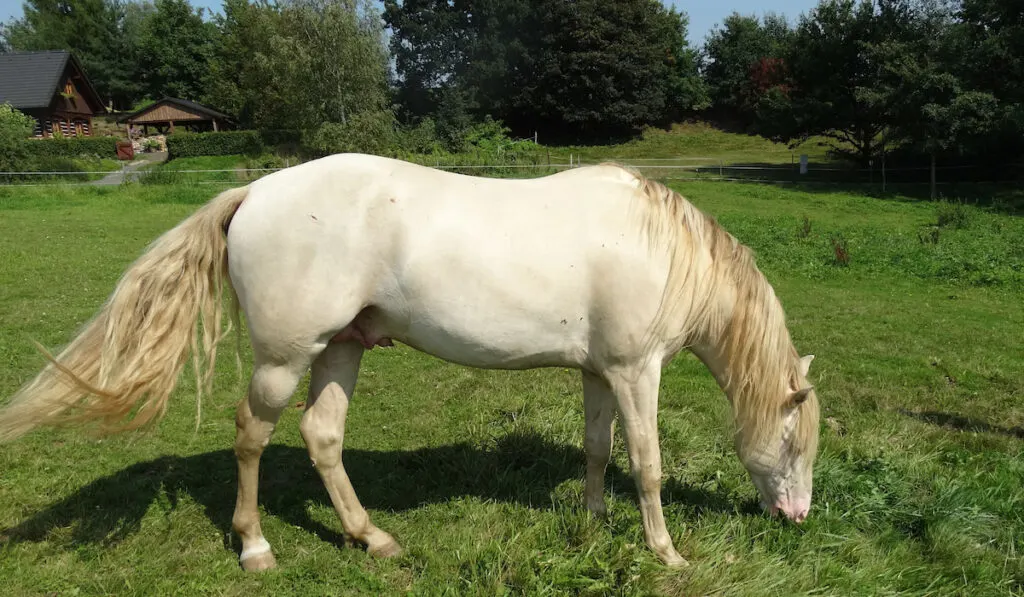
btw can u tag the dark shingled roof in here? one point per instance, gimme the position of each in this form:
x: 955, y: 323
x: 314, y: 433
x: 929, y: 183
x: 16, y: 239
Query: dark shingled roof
x: 190, y: 105
x: 30, y: 79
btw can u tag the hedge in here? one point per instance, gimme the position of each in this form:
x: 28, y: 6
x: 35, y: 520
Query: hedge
x: 187, y: 145
x: 72, y: 147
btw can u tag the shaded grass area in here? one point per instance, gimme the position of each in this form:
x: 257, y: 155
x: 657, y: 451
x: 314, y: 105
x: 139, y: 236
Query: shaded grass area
x: 918, y: 488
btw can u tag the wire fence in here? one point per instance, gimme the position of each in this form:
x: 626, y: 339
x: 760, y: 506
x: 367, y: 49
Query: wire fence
x: 694, y: 169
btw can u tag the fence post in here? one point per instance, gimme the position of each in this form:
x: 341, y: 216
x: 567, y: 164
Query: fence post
x: 933, y: 175
x: 883, y: 169
x: 721, y: 164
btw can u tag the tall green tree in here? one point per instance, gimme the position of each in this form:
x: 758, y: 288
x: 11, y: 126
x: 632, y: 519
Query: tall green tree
x: 297, y: 64
x: 175, y: 46
x: 989, y: 42
x: 567, y: 69
x: 743, y: 59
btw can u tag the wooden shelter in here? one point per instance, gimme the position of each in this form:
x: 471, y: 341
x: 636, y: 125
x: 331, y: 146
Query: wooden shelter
x: 51, y: 87
x: 169, y: 112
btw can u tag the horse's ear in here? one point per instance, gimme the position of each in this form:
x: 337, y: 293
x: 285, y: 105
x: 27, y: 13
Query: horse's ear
x: 798, y: 397
x: 805, y: 364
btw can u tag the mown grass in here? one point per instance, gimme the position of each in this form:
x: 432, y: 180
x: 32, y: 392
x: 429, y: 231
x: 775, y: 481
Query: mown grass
x: 919, y: 367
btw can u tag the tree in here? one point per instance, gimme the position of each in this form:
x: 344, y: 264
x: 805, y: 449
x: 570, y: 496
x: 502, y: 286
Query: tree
x: 175, y: 46
x: 428, y: 53
x: 832, y: 76
x: 988, y: 42
x: 742, y: 60
x: 298, y: 64
x: 570, y: 69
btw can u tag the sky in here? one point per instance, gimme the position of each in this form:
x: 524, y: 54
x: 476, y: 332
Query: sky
x: 703, y: 14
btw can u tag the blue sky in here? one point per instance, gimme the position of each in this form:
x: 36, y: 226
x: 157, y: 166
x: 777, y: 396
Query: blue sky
x: 703, y: 14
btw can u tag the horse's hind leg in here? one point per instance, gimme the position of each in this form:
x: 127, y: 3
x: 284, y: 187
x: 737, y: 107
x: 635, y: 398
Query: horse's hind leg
x: 599, y: 408
x: 269, y: 391
x: 332, y: 382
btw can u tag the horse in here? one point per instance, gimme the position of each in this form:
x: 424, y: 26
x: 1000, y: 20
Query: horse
x: 596, y: 268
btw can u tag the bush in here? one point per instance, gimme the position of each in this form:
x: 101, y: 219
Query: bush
x: 58, y: 164
x: 187, y: 145
x: 366, y: 132
x: 14, y: 127
x: 71, y: 147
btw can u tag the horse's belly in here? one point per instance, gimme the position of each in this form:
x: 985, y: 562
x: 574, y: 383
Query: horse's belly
x: 472, y: 337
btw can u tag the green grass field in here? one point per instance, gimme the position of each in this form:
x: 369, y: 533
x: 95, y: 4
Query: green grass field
x: 919, y: 485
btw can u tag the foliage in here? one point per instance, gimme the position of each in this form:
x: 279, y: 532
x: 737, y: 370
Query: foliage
x: 175, y: 46
x: 14, y: 128
x: 582, y: 69
x: 830, y: 91
x: 742, y: 60
x: 183, y: 145
x: 365, y: 132
x: 72, y: 147
x: 298, y: 64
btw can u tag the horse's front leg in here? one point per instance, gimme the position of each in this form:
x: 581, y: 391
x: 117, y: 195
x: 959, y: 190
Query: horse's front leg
x: 637, y: 397
x: 332, y: 381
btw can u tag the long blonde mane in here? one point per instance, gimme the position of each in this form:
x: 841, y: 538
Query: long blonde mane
x: 707, y: 263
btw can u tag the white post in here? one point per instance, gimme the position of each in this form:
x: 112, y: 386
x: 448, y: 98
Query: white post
x: 803, y: 163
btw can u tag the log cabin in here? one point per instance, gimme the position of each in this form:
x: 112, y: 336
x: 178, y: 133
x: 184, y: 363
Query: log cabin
x: 52, y: 88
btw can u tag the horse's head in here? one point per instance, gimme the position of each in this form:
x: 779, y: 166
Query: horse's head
x: 778, y: 447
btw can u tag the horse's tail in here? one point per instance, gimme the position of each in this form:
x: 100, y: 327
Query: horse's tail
x: 166, y: 305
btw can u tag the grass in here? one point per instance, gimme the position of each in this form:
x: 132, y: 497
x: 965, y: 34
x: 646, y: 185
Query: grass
x: 698, y: 143
x: 918, y: 487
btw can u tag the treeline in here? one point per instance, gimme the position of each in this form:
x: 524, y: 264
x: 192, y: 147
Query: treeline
x: 903, y: 78
x: 909, y: 78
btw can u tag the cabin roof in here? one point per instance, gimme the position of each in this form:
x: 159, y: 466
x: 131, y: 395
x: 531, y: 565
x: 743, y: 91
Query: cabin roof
x: 29, y: 80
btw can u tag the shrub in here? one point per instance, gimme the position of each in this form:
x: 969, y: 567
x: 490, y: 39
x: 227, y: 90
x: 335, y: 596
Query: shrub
x: 187, y: 145
x: 14, y: 127
x: 366, y: 132
x: 59, y: 164
x: 72, y: 147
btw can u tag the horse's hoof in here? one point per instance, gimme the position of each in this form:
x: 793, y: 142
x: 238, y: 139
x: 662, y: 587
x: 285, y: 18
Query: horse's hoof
x: 386, y: 547
x: 672, y: 559
x: 258, y: 562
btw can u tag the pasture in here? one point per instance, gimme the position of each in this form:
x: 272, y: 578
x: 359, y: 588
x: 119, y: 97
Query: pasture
x: 919, y: 482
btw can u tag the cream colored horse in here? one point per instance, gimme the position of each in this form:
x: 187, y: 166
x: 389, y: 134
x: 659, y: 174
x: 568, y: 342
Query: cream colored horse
x: 595, y: 268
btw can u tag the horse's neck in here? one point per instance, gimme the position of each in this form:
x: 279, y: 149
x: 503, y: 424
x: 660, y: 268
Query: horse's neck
x: 716, y: 352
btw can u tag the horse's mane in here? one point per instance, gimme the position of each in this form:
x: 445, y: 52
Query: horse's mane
x: 705, y: 261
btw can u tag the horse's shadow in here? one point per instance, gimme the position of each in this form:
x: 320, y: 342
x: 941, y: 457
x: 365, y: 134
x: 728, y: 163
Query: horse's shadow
x: 520, y: 468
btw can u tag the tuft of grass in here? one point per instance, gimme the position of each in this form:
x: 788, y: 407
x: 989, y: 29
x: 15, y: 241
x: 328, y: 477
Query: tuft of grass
x: 952, y: 214
x: 805, y: 228
x: 840, y: 252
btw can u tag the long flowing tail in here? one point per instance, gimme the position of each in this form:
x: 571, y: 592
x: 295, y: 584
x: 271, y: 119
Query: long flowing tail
x: 166, y: 305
